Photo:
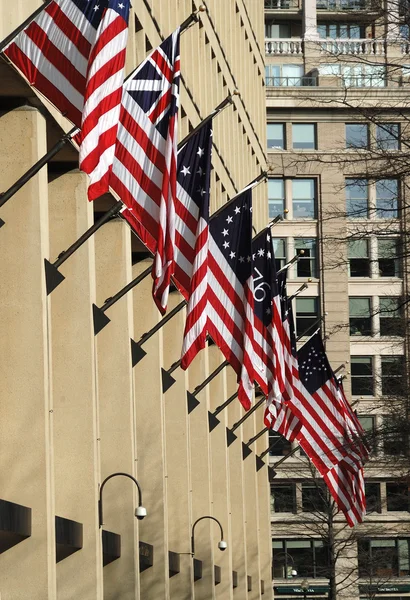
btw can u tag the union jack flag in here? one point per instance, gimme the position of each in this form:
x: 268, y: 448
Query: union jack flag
x: 144, y: 169
x: 103, y: 94
x: 53, y: 52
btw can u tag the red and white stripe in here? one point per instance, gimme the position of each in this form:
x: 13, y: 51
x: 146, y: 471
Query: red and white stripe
x: 346, y: 485
x: 144, y: 167
x: 278, y: 415
x: 325, y: 436
x: 102, y: 105
x: 52, y: 52
x: 195, y: 326
x: 230, y: 319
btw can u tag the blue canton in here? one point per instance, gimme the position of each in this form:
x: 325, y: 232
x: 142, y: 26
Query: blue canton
x: 314, y: 368
x: 264, y: 276
x: 231, y: 228
x: 194, y: 168
x: 93, y: 10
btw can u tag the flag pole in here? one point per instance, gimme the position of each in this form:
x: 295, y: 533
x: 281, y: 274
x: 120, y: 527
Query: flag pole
x: 53, y: 276
x: 228, y: 100
x: 291, y: 262
x: 261, y: 177
x: 230, y: 435
x: 300, y: 290
x: 137, y: 351
x: 23, y: 25
x: 201, y: 386
x: 100, y: 319
x: 246, y: 451
x: 193, y: 18
x: 260, y: 463
x: 37, y: 166
x: 99, y: 316
x: 213, y: 421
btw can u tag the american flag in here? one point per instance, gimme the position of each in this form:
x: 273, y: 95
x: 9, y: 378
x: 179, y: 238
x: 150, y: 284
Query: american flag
x: 230, y: 289
x: 278, y: 415
x: 192, y: 231
x: 103, y: 92
x: 53, y: 52
x: 144, y: 172
x: 347, y: 488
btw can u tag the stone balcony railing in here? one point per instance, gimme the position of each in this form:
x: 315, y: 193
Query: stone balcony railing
x: 283, y: 47
x: 355, y: 47
x: 328, y: 5
x: 339, y: 47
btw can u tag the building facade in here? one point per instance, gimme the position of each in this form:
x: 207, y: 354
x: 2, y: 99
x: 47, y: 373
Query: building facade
x: 337, y: 122
x: 73, y: 410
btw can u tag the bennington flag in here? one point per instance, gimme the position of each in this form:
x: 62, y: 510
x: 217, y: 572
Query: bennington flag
x: 144, y: 167
x: 53, y: 51
x: 278, y: 415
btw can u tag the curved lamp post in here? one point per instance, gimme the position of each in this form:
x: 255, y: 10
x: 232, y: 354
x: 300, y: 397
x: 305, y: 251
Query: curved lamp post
x: 140, y: 511
x: 293, y: 571
x: 222, y: 545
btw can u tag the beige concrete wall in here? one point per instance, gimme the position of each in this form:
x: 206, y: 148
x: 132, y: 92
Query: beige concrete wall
x: 26, y: 471
x: 73, y: 409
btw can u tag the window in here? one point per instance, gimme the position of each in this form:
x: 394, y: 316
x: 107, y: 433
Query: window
x: 306, y: 315
x: 392, y: 375
x: 285, y: 75
x: 283, y: 497
x: 395, y: 440
x: 329, y: 69
x: 304, y: 198
x: 357, y: 135
x: 397, y: 496
x: 362, y: 375
x: 304, y: 136
x: 314, y: 498
x: 388, y: 136
x: 388, y: 257
x: 278, y: 445
x: 279, y: 251
x: 387, y: 198
x: 368, y: 422
x: 340, y: 31
x: 357, y: 198
x: 391, y: 322
x: 306, y: 265
x: 276, y: 197
x: 358, y: 254
x: 359, y: 316
x: 276, y: 30
x: 383, y: 558
x: 310, y: 558
x: 373, y: 500
x: 362, y: 75
x: 276, y: 136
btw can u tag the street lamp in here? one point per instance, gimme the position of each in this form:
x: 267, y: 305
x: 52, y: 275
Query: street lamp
x: 222, y: 545
x: 305, y: 587
x: 293, y: 571
x: 140, y: 511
